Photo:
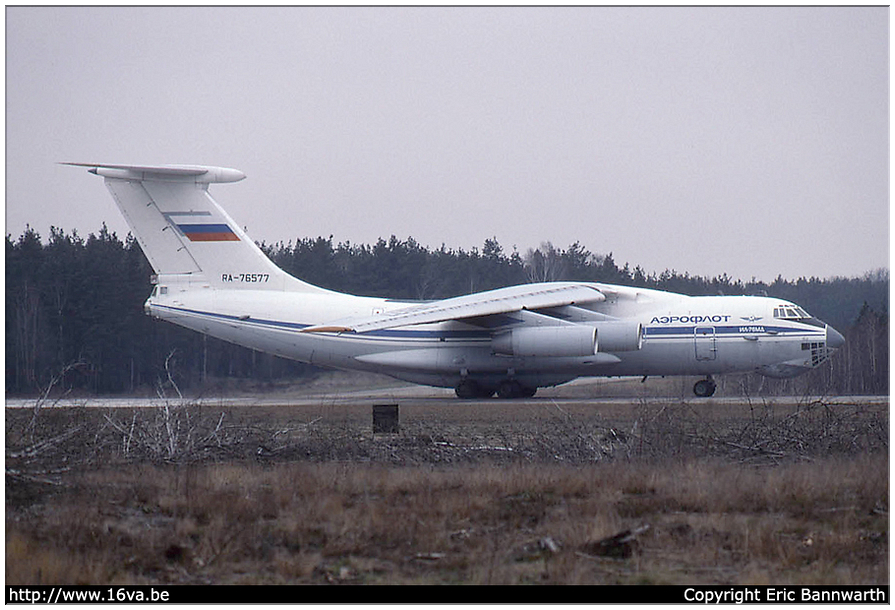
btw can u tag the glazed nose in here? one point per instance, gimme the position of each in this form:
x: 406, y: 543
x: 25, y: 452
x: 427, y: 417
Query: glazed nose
x: 834, y: 339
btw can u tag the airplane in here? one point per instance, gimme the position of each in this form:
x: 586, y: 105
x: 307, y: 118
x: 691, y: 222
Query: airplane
x: 211, y: 277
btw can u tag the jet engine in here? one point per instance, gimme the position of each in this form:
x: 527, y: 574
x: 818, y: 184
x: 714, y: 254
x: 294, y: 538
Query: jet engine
x: 547, y: 341
x: 569, y: 340
x: 619, y: 336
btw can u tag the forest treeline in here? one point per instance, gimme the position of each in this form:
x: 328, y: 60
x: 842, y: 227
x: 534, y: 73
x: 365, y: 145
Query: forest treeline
x: 75, y: 321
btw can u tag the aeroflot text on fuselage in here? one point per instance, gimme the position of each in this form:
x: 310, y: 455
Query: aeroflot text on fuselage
x: 688, y: 319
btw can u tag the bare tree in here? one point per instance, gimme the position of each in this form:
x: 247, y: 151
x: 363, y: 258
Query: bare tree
x: 545, y: 264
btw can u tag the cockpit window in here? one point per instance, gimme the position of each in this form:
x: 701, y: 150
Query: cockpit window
x: 790, y: 312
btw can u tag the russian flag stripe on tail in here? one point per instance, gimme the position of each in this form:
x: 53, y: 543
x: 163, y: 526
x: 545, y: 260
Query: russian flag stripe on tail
x: 208, y: 232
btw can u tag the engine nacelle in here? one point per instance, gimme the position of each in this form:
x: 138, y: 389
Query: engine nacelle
x: 569, y: 341
x: 619, y: 336
x: 547, y: 341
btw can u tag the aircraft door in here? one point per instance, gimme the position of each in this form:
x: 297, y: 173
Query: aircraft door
x: 706, y: 348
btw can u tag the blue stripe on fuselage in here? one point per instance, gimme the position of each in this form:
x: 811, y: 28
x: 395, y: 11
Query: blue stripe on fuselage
x: 688, y: 332
x: 295, y: 326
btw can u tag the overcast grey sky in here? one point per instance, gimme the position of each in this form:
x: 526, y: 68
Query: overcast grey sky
x: 751, y: 141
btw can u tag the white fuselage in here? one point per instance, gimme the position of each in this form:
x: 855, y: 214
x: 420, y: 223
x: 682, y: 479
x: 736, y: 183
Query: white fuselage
x: 682, y: 335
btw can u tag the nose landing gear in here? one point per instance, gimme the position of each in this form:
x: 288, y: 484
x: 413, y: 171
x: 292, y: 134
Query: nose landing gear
x: 704, y: 387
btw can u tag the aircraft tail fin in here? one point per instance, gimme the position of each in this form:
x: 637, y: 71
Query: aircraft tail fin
x: 186, y: 235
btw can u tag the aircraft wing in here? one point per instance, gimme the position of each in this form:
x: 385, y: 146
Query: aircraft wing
x: 493, y: 302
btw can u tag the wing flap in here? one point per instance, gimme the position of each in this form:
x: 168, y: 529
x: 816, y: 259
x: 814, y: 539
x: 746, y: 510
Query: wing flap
x: 479, y: 305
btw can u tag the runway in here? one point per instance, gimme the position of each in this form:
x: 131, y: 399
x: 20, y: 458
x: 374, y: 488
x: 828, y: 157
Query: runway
x: 419, y: 395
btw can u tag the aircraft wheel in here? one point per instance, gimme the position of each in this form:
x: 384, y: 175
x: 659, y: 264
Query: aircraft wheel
x: 511, y: 388
x: 704, y: 388
x: 471, y: 389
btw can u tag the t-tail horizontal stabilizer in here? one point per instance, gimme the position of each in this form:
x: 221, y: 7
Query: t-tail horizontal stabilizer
x: 189, y: 240
x: 200, y: 174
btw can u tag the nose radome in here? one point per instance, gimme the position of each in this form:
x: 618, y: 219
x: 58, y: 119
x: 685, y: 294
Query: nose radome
x: 834, y: 339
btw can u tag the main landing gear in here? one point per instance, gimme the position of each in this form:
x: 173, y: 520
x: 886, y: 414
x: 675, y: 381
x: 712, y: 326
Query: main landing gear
x: 508, y: 388
x: 704, y: 387
x: 473, y: 389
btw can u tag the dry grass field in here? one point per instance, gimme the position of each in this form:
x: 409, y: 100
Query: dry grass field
x: 554, y: 490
